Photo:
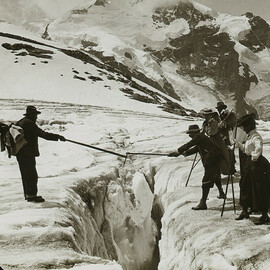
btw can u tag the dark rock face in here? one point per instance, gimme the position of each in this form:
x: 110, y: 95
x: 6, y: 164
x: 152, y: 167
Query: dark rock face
x: 181, y: 10
x: 45, y: 35
x: 259, y: 36
x: 207, y: 53
x: 100, y: 3
x: 28, y: 50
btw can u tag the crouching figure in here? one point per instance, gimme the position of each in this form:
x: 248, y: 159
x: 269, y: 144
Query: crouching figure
x: 210, y: 155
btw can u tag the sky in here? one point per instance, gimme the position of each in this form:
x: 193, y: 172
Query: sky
x: 239, y: 7
x: 234, y: 7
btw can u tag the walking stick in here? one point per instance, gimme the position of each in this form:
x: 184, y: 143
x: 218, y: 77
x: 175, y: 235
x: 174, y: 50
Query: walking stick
x: 192, y: 167
x: 230, y: 177
x: 97, y: 148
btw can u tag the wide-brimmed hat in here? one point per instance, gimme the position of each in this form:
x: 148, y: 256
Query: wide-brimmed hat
x: 31, y: 110
x: 221, y: 105
x: 206, y: 111
x: 193, y: 129
x: 246, y: 120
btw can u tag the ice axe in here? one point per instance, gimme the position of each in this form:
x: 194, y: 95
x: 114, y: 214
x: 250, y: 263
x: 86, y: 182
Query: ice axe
x: 192, y: 167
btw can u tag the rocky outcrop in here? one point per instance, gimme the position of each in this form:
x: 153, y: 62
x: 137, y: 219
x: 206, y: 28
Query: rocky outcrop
x: 259, y: 36
x: 183, y: 10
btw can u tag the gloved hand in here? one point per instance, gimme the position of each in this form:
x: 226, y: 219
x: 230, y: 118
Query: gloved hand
x: 184, y: 154
x: 61, y: 138
x: 174, y: 154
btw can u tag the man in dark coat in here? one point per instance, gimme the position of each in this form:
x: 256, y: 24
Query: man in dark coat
x: 26, y: 156
x: 228, y: 121
x: 211, y: 129
x: 3, y: 130
x: 210, y: 155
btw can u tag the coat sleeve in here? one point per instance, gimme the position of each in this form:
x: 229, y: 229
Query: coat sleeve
x: 35, y: 131
x: 47, y: 135
x: 192, y: 150
x: 190, y: 147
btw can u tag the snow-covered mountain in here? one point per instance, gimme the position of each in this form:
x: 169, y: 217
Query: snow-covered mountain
x: 185, y: 49
x: 54, y: 72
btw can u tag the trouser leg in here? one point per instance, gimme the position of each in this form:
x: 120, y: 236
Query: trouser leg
x: 219, y: 186
x: 205, y: 192
x: 202, y: 205
x: 29, y: 175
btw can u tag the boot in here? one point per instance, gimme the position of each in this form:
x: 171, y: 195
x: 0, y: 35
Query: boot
x: 220, y: 189
x: 244, y: 214
x: 32, y: 197
x: 263, y: 219
x: 221, y: 195
x: 37, y: 199
x: 201, y: 206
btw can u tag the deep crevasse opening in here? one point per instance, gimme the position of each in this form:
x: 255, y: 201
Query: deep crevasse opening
x: 112, y: 219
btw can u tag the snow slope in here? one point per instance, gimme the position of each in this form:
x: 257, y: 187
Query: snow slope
x: 56, y: 73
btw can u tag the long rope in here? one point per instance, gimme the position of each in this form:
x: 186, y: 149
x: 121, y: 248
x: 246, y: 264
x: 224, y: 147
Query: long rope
x: 146, y: 154
x: 97, y: 148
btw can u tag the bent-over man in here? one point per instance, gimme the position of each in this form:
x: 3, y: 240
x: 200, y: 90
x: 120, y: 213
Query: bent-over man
x: 210, y: 155
x: 26, y: 156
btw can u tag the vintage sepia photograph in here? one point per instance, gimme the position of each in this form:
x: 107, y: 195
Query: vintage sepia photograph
x: 135, y: 134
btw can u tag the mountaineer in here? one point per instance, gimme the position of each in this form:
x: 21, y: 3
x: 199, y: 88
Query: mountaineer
x: 227, y: 128
x: 255, y: 180
x: 211, y: 129
x: 27, y: 154
x: 228, y: 121
x: 210, y: 156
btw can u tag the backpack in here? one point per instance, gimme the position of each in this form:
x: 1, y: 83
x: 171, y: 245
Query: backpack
x: 12, y: 139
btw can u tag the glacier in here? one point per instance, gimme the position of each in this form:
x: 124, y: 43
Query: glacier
x: 103, y: 212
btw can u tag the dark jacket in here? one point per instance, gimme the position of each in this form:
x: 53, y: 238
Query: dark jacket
x: 204, y: 145
x: 31, y: 134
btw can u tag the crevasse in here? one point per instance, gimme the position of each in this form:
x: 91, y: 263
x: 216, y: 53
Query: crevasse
x: 112, y: 220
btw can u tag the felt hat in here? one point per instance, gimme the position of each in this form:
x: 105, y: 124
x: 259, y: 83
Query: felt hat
x: 31, y: 110
x: 206, y: 111
x: 246, y: 119
x: 193, y: 129
x: 221, y: 105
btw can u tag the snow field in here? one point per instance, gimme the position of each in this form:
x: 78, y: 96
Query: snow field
x: 98, y: 211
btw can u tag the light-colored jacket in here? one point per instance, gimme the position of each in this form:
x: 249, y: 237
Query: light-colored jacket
x: 253, y: 146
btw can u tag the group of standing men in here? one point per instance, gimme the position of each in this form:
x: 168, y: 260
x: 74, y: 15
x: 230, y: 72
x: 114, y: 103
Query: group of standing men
x: 215, y: 142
